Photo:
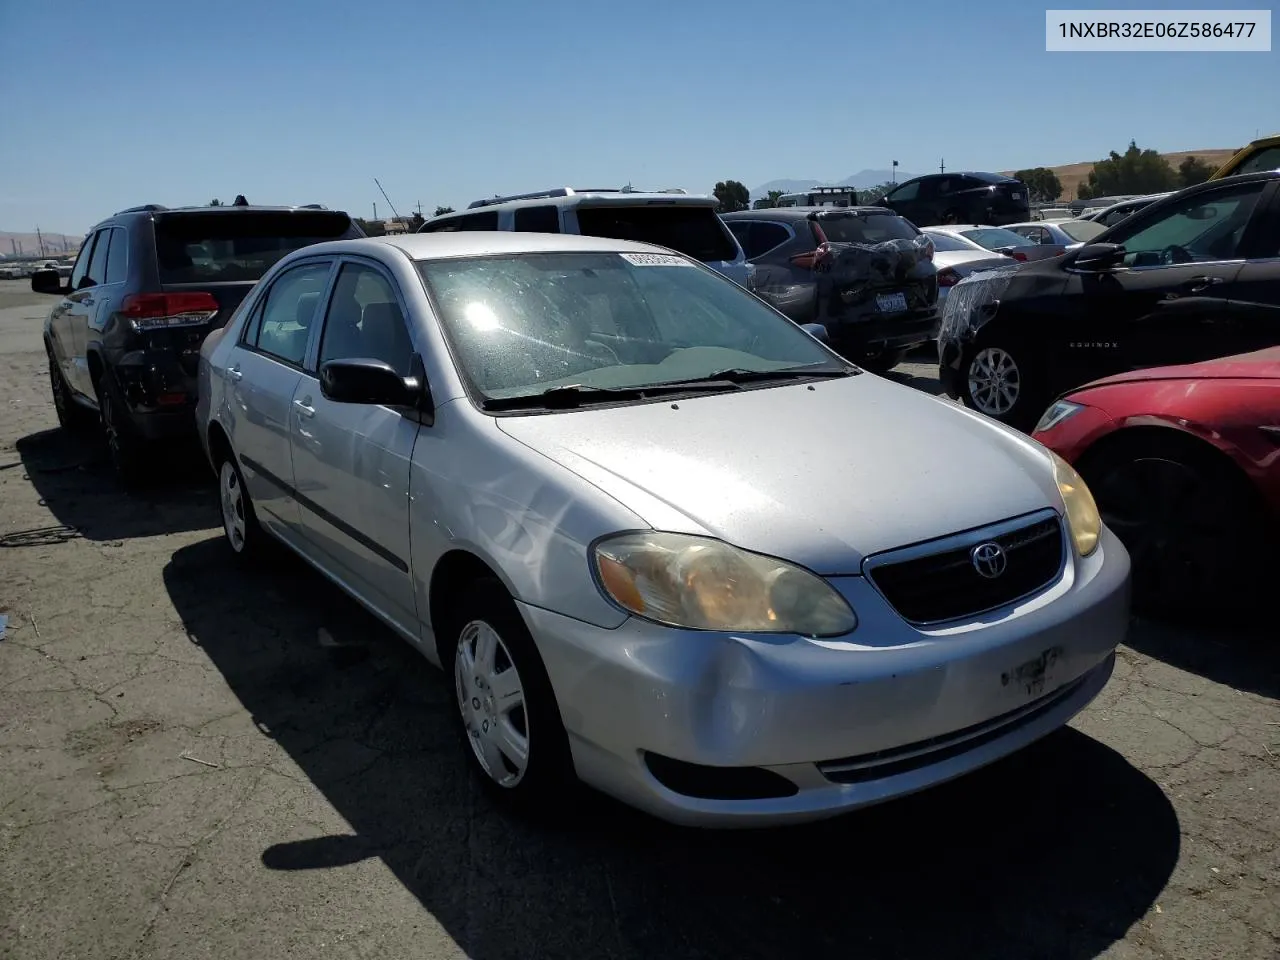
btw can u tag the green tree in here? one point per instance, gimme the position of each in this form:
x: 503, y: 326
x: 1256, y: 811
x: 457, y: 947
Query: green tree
x: 732, y: 196
x: 1136, y: 171
x: 1193, y: 170
x: 1042, y: 184
x: 215, y: 202
x: 441, y: 211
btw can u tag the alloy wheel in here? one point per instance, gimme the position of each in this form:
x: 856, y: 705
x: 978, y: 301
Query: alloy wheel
x: 232, y: 498
x: 491, y: 697
x: 995, y: 382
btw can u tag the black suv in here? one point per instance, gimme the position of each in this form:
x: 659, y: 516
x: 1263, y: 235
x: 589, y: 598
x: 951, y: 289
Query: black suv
x: 1191, y: 277
x: 148, y: 286
x: 987, y: 198
x: 863, y: 273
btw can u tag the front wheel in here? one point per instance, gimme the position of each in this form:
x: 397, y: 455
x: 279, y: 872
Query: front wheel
x: 998, y: 381
x: 509, y: 720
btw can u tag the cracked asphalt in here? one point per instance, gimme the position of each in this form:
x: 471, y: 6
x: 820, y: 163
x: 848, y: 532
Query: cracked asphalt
x: 187, y: 771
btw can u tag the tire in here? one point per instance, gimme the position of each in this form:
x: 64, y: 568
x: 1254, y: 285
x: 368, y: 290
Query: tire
x: 71, y: 416
x: 1194, y: 526
x: 506, y: 711
x: 1001, y: 381
x: 128, y: 451
x: 881, y: 362
x: 240, y: 528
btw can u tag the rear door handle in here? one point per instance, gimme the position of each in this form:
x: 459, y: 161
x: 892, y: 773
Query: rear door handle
x: 235, y: 374
x: 304, y: 408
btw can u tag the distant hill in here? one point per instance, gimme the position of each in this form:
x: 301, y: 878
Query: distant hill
x: 1071, y: 175
x: 860, y: 180
x: 28, y: 244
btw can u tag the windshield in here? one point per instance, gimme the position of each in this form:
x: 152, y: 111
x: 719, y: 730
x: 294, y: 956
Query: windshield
x: 1081, y: 231
x: 994, y: 237
x: 210, y: 247
x: 695, y: 231
x: 520, y: 325
x: 865, y: 228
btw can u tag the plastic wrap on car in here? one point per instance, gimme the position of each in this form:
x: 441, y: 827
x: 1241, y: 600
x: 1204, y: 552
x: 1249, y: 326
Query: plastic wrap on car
x: 853, y: 271
x: 963, y: 314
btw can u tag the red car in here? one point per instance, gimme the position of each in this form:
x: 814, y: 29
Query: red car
x: 1184, y: 463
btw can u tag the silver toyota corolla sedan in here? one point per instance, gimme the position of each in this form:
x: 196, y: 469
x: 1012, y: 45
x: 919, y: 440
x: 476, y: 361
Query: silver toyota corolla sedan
x: 662, y: 538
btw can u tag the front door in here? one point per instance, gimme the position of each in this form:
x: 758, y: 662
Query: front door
x: 1170, y: 300
x: 82, y: 311
x: 64, y: 317
x: 265, y: 368
x: 351, y: 461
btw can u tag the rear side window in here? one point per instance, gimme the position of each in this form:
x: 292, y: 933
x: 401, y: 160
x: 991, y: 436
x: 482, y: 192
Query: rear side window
x: 1266, y: 159
x: 98, y: 265
x: 545, y: 219
x: 758, y: 237
x: 284, y: 325
x: 696, y: 232
x: 993, y: 237
x: 867, y: 228
x: 908, y: 191
x: 238, y: 245
x: 474, y: 221
x: 118, y: 256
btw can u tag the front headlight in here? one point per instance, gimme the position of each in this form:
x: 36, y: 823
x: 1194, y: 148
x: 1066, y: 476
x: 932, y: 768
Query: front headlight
x: 1083, y: 518
x: 702, y: 584
x: 1061, y: 411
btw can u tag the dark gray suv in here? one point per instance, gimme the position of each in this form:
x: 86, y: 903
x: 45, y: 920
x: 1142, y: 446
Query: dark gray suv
x: 864, y: 273
x: 148, y: 286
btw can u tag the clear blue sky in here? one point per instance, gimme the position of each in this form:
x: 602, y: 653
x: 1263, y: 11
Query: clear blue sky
x: 109, y: 103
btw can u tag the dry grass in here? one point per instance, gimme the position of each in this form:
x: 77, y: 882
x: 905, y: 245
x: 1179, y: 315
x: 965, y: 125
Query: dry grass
x: 1071, y: 175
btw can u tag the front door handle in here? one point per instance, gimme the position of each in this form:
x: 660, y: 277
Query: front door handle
x: 1198, y: 284
x: 87, y: 301
x: 304, y: 408
x: 235, y: 374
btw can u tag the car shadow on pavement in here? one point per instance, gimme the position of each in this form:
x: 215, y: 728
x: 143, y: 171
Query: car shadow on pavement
x: 1054, y: 852
x: 1244, y: 657
x: 72, y: 476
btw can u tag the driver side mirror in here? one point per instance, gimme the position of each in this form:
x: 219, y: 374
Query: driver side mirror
x: 48, y: 281
x: 371, y: 382
x: 1099, y: 256
x: 816, y: 330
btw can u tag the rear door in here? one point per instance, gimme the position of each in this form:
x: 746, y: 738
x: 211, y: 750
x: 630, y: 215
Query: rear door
x: 770, y: 247
x: 908, y: 201
x: 264, y: 369
x: 351, y: 460
x: 82, y: 311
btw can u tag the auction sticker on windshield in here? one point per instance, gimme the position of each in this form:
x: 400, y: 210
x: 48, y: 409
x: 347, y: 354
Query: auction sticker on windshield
x: 655, y: 260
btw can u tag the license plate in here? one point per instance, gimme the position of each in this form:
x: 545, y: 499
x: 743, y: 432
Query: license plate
x: 892, y: 302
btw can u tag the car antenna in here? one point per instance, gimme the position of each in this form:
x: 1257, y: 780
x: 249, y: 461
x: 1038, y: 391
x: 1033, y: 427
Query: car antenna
x: 389, y: 203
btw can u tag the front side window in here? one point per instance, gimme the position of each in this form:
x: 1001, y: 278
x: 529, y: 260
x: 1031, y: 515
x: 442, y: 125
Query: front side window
x: 1201, y: 228
x: 1081, y: 231
x: 81, y: 269
x: 540, y: 219
x: 519, y: 325
x: 1267, y: 158
x: 474, y: 221
x: 98, y: 265
x: 907, y: 191
x: 364, y: 320
x: 290, y: 308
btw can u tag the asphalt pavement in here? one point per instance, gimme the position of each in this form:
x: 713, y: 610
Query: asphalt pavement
x: 197, y: 762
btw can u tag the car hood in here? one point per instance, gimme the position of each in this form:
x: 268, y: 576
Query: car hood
x: 1259, y: 365
x: 823, y: 474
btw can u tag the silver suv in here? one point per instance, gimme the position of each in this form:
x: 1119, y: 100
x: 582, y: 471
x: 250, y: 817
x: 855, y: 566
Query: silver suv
x: 673, y: 219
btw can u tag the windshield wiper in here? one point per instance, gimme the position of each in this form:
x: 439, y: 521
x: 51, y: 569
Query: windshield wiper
x: 740, y: 375
x: 577, y: 394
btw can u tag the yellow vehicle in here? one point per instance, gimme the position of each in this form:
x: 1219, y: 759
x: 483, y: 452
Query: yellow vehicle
x: 1262, y: 154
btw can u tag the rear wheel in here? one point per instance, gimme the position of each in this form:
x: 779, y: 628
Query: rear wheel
x: 128, y: 451
x: 999, y: 381
x: 1192, y: 523
x: 239, y: 521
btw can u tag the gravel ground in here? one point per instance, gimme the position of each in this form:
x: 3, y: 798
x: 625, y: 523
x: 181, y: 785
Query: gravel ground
x: 187, y: 771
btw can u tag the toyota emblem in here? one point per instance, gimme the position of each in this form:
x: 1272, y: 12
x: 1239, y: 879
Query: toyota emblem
x: 989, y: 559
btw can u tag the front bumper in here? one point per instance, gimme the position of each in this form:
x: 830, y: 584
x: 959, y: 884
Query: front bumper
x: 890, y: 710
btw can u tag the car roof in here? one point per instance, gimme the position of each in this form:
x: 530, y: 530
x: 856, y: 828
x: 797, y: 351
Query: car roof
x: 957, y: 227
x: 976, y: 174
x: 153, y: 210
x: 801, y: 213
x: 478, y: 243
x: 599, y: 197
